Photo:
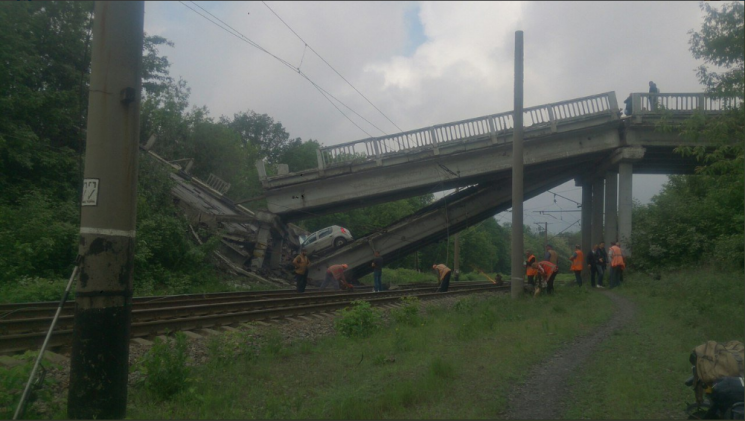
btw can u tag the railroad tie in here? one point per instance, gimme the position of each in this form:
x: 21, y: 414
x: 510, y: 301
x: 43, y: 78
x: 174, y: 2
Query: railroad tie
x: 192, y: 335
x: 208, y: 332
x: 141, y: 341
x: 229, y: 329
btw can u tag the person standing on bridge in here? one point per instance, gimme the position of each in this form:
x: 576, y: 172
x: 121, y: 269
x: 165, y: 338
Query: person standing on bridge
x: 577, y: 259
x: 377, y: 265
x: 529, y: 271
x: 653, y: 91
x: 335, y: 276
x: 301, y: 263
x: 628, y: 102
x: 443, y: 276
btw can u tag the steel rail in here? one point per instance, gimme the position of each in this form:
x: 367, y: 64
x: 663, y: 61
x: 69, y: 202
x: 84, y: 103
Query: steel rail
x: 160, y: 310
x: 23, y: 341
x: 42, y: 309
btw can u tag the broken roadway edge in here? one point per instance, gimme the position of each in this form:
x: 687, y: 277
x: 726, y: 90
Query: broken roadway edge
x: 542, y: 394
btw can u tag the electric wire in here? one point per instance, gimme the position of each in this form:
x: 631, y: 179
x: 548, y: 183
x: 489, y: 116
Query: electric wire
x: 332, y: 67
x: 286, y: 63
x: 247, y: 40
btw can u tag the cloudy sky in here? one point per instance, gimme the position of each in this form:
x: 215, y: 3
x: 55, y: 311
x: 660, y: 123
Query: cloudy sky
x: 422, y: 63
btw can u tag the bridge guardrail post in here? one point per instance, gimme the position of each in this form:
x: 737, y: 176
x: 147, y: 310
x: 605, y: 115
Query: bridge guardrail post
x: 702, y: 103
x: 321, y: 163
x: 552, y: 118
x: 613, y: 104
x: 433, y: 135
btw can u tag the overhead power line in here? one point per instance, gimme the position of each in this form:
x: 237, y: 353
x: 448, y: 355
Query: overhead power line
x: 332, y: 67
x: 247, y: 40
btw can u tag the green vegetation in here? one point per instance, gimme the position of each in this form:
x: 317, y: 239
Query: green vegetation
x: 454, y: 364
x: 13, y: 380
x: 639, y: 372
x: 164, y: 367
x: 359, y: 321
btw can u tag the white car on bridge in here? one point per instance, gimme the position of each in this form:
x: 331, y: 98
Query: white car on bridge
x: 332, y: 237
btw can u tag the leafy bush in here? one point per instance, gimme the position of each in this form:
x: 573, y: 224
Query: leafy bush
x: 408, y: 314
x: 28, y: 289
x: 165, y: 367
x: 38, y: 237
x: 13, y: 382
x: 360, y: 321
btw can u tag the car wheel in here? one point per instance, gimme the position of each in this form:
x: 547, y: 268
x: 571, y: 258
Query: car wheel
x: 339, y: 242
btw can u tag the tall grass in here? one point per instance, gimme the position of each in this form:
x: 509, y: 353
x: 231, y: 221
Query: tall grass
x: 639, y: 372
x: 454, y: 364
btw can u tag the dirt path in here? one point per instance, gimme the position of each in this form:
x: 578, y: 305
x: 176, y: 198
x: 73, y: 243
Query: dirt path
x: 541, y: 396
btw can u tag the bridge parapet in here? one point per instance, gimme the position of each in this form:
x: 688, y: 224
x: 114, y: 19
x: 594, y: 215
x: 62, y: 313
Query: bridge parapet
x: 551, y: 115
x: 683, y: 104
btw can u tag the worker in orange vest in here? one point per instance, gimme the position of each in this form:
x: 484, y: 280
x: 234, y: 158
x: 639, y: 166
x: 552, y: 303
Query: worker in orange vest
x: 334, y: 276
x: 443, y: 276
x: 617, y: 265
x: 577, y: 259
x: 547, y: 272
x: 529, y: 271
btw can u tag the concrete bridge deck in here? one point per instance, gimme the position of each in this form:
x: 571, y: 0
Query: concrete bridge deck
x: 479, y: 150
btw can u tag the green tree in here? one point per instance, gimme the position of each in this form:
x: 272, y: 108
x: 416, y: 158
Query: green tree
x: 700, y: 216
x: 261, y: 131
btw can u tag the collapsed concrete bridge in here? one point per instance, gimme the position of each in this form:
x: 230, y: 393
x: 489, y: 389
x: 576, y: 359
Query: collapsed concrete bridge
x: 584, y: 139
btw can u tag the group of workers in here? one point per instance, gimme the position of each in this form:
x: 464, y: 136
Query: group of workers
x: 540, y: 274
x: 597, y: 261
x: 336, y: 278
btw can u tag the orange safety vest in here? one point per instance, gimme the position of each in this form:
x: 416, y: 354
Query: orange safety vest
x: 337, y: 271
x: 529, y: 270
x: 577, y: 261
x: 617, y: 258
x: 546, y: 268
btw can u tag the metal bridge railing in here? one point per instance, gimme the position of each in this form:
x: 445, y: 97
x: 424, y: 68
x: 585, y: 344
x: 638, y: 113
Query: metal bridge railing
x: 682, y: 103
x: 549, y: 115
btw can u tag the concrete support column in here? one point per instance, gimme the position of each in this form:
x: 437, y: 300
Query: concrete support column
x: 625, y: 171
x: 263, y: 237
x: 611, y: 208
x: 598, y: 190
x: 586, y: 225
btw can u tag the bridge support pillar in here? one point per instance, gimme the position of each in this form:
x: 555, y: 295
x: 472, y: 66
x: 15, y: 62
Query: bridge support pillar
x: 625, y: 171
x: 598, y: 190
x: 611, y: 208
x: 586, y: 225
x: 263, y: 237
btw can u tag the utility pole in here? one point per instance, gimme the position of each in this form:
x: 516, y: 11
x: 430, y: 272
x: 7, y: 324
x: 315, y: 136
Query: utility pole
x: 456, y: 251
x: 517, y: 174
x: 103, y: 301
x: 545, y: 233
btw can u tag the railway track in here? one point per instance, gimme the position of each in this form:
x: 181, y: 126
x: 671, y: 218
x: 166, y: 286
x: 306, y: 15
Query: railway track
x: 24, y: 326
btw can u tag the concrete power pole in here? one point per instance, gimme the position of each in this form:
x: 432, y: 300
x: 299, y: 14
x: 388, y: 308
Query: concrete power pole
x: 103, y: 300
x: 517, y: 174
x: 456, y: 250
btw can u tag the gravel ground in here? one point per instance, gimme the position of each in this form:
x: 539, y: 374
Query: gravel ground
x: 544, y: 394
x: 310, y: 328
